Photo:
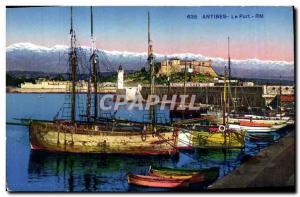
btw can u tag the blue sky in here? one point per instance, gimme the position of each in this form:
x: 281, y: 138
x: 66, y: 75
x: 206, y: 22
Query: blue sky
x: 125, y: 29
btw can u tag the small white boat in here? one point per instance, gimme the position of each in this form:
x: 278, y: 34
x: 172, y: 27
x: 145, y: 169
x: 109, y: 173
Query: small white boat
x: 266, y: 121
x: 184, y: 140
x: 252, y: 129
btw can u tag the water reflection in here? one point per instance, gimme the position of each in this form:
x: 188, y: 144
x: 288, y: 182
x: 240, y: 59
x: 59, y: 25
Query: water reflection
x: 91, y: 172
x: 80, y: 172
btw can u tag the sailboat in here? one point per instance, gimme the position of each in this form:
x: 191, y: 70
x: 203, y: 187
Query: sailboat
x: 225, y: 137
x: 209, y: 136
x: 250, y: 123
x: 95, y: 135
x: 254, y: 123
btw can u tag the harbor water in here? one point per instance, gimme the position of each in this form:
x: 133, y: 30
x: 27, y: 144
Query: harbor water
x: 28, y: 170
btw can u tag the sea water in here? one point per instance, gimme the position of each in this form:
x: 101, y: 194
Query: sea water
x: 28, y: 170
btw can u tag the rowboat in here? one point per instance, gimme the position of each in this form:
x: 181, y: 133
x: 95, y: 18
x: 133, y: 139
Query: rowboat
x: 196, y: 178
x: 261, y: 138
x: 180, y: 173
x: 154, y: 181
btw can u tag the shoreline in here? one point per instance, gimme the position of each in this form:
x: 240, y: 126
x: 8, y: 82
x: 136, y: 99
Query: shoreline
x: 16, y: 90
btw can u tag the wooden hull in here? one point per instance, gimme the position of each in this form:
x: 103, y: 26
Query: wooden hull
x: 205, y: 174
x: 91, y: 139
x: 196, y: 178
x: 217, y: 140
x: 153, y: 181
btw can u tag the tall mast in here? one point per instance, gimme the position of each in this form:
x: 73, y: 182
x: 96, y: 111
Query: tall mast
x: 184, y: 84
x: 152, y: 74
x: 224, y: 97
x: 225, y: 109
x: 73, y: 67
x: 280, y: 93
x: 94, y: 62
x: 229, y: 77
x: 229, y: 68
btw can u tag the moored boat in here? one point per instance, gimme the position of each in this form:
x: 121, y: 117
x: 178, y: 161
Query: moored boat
x: 261, y: 138
x: 261, y: 120
x: 188, y: 139
x: 254, y: 124
x: 84, y: 138
x: 252, y: 128
x: 208, y: 174
x: 196, y: 178
x: 91, y: 134
x: 154, y: 181
x: 218, y: 140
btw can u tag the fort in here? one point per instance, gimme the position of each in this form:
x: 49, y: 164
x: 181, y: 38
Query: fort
x: 175, y: 65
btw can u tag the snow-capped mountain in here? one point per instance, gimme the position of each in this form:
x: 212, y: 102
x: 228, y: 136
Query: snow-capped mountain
x: 30, y: 57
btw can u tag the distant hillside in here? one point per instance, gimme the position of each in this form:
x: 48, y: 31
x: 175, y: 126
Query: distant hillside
x: 30, y: 57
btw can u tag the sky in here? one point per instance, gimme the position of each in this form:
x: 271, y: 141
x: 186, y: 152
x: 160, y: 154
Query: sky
x: 267, y: 35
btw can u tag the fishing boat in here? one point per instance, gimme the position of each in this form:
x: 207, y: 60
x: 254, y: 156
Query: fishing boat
x: 253, y: 128
x: 155, y: 181
x: 94, y: 135
x: 218, y: 140
x: 83, y: 138
x: 260, y: 138
x: 219, y: 136
x: 277, y: 120
x: 279, y: 123
x: 189, y: 139
x: 256, y: 126
x: 180, y: 173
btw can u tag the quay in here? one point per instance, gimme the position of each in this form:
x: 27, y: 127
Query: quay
x: 272, y: 169
x: 212, y: 94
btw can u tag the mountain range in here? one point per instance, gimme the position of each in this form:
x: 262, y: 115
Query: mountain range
x: 31, y: 57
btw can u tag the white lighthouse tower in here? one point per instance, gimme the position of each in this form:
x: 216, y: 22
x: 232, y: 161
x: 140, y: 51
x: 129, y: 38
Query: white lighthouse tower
x: 120, y: 80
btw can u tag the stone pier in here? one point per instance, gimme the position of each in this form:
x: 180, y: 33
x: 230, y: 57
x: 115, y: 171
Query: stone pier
x: 272, y: 169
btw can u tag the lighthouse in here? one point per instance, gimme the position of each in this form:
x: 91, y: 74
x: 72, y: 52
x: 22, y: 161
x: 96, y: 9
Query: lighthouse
x: 120, y: 80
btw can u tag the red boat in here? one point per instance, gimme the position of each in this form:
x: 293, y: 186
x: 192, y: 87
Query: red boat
x: 192, y: 178
x: 154, y: 181
x: 254, y: 124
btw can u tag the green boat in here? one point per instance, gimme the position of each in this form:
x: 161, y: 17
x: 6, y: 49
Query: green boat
x: 209, y: 174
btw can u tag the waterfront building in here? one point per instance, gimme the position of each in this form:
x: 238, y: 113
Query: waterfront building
x: 171, y: 66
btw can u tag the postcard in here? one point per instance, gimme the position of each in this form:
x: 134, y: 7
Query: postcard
x: 150, y: 99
